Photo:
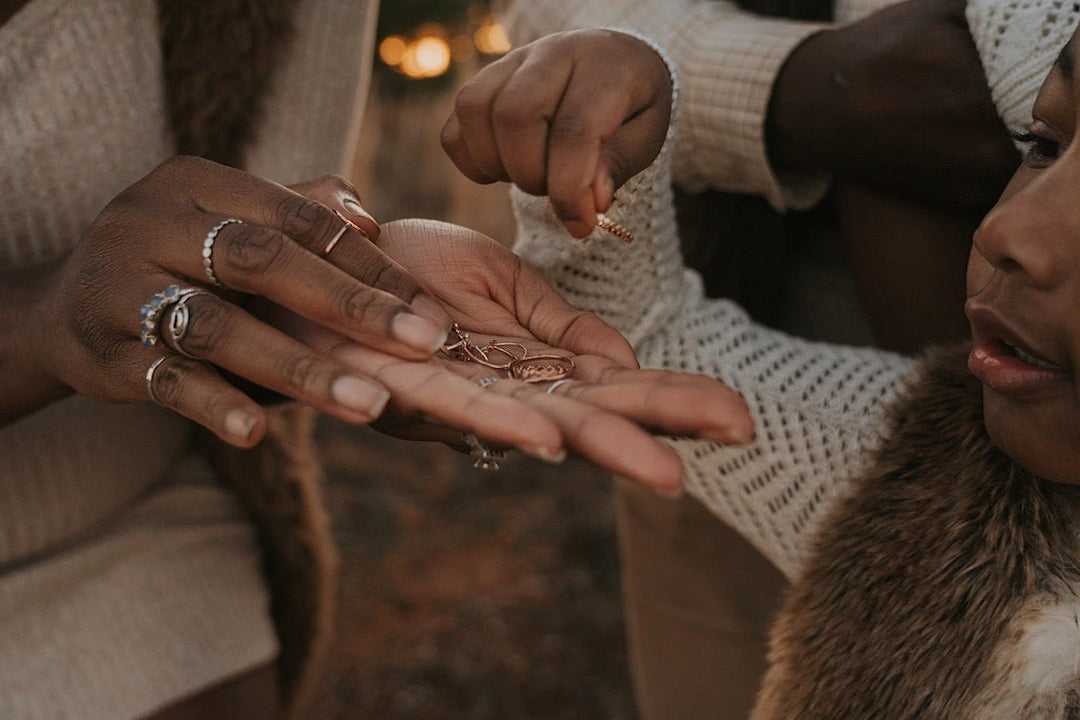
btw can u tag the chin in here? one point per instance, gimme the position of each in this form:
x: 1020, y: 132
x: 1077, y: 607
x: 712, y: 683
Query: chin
x: 1035, y: 437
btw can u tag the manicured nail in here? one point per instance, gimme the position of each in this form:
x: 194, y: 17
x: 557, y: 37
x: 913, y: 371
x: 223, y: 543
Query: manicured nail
x: 356, y: 208
x: 544, y: 453
x: 239, y: 424
x: 359, y: 395
x: 418, y: 332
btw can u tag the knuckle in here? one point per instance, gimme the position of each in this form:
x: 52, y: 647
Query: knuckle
x: 305, y: 220
x: 569, y: 129
x: 513, y: 111
x: 170, y: 381
x: 471, y: 102
x: 209, y: 327
x: 300, y: 372
x: 249, y: 250
x: 359, y: 305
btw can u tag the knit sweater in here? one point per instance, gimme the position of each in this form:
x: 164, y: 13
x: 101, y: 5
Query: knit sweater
x: 819, y: 409
x: 128, y: 576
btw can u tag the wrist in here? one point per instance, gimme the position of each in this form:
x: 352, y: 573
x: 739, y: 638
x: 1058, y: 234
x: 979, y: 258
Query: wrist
x: 807, y: 91
x: 25, y: 322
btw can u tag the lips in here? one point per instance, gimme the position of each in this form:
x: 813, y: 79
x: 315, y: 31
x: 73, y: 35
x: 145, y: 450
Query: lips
x: 1005, y: 363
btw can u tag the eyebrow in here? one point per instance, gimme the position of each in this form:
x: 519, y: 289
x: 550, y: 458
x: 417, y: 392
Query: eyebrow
x: 1064, y: 61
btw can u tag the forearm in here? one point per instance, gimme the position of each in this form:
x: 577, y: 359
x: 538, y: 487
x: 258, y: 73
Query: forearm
x: 897, y: 101
x: 27, y: 384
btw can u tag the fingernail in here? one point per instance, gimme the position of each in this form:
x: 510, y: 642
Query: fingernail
x: 729, y: 436
x: 359, y: 395
x: 239, y: 424
x: 418, y: 332
x: 546, y: 454
x: 609, y: 186
x: 356, y: 208
x: 671, y: 493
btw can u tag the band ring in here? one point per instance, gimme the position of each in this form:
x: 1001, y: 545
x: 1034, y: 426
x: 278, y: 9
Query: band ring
x: 557, y: 383
x: 150, y: 379
x: 208, y: 249
x: 177, y: 318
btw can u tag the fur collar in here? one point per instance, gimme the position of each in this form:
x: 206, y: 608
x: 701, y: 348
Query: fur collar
x: 922, y: 590
x: 219, y: 58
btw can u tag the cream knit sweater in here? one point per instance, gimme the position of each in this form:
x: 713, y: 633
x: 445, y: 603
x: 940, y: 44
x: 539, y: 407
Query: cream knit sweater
x: 819, y: 409
x: 128, y: 577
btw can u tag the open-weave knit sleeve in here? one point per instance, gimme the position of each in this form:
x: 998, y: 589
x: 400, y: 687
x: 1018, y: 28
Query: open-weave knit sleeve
x: 818, y: 409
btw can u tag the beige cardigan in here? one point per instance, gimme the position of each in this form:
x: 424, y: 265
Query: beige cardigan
x: 85, y: 109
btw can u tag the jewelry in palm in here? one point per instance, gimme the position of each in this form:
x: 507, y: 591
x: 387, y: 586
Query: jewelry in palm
x: 510, y: 357
x: 605, y: 223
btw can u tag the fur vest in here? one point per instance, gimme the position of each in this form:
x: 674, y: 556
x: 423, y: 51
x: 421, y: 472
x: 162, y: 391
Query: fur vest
x: 943, y: 587
x: 214, y: 104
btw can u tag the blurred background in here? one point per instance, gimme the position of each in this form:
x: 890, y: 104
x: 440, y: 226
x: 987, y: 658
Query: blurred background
x: 465, y: 594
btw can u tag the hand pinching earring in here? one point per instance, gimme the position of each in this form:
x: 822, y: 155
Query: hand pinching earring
x: 605, y: 223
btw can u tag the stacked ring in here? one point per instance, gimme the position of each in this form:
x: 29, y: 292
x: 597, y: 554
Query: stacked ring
x: 177, y: 318
x: 208, y: 250
x: 152, y: 312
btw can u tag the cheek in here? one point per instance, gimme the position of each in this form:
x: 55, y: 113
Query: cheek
x: 979, y: 271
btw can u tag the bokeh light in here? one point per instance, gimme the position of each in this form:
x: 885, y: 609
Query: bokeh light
x: 491, y: 38
x: 392, y: 50
x: 426, y: 57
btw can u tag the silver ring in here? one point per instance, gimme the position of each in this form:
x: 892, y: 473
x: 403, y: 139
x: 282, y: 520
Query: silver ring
x: 484, y: 458
x: 208, y: 249
x: 150, y: 378
x: 177, y: 318
x: 152, y: 312
x: 556, y: 384
x: 487, y: 381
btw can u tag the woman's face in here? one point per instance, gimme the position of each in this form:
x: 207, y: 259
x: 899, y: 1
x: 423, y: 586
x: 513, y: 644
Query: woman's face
x: 1023, y: 291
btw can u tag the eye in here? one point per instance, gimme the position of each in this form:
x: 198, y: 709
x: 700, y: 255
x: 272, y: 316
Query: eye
x: 1039, y: 150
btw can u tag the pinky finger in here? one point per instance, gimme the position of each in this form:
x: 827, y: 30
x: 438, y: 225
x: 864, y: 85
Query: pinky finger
x: 199, y: 393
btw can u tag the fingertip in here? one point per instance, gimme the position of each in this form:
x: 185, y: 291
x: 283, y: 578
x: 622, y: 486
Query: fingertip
x: 243, y: 428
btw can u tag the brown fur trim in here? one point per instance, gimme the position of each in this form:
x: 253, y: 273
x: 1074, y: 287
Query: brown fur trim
x: 219, y: 58
x: 913, y: 581
x: 280, y: 484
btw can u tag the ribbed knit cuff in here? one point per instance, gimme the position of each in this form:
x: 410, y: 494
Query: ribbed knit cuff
x: 728, y: 66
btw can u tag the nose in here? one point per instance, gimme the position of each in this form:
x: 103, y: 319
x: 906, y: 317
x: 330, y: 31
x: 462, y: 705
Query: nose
x: 1028, y: 233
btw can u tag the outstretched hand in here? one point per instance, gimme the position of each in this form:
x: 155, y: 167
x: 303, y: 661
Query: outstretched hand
x: 572, y: 116
x: 605, y: 412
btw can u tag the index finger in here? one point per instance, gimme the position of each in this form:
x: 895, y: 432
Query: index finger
x: 257, y: 201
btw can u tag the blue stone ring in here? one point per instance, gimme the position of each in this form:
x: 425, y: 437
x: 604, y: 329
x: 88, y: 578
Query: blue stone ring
x: 152, y: 312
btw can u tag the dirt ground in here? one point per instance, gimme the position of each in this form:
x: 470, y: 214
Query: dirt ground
x: 470, y: 594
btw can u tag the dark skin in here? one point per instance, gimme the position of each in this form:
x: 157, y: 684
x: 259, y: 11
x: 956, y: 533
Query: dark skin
x: 896, y: 102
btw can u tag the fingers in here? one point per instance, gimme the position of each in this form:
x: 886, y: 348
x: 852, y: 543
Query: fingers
x: 573, y: 116
x: 223, y: 334
x: 674, y: 403
x: 197, y: 392
x: 262, y: 261
x: 610, y: 440
x: 468, y: 137
x: 428, y: 389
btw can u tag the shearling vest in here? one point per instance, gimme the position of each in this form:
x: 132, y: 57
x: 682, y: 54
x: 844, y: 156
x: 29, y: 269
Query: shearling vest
x: 214, y: 100
x: 943, y: 587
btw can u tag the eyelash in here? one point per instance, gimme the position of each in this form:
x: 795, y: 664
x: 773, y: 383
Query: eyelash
x: 1040, y: 150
